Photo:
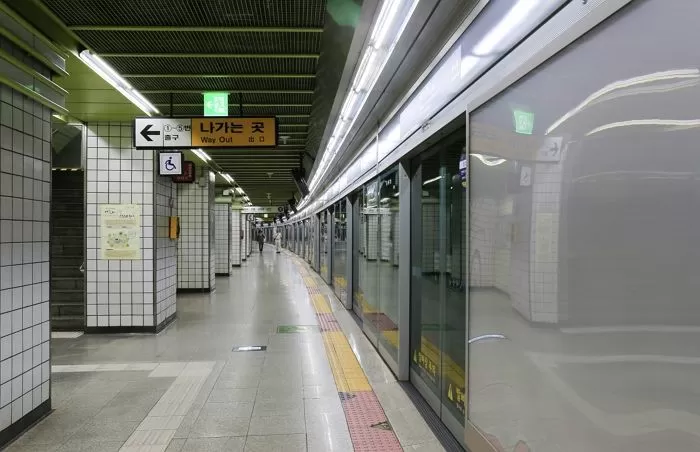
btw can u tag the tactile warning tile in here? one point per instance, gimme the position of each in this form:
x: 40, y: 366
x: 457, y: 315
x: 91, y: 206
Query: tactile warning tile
x: 327, y: 322
x: 320, y: 304
x: 347, y: 372
x: 369, y: 428
x: 368, y: 425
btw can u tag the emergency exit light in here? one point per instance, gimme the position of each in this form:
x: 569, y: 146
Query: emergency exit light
x: 524, y: 122
x: 215, y: 104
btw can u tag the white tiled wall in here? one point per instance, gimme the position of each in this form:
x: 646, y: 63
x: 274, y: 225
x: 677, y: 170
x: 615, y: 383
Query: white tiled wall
x: 120, y: 293
x: 372, y: 250
x: 430, y: 215
x: 196, y: 266
x: 385, y: 242
x: 482, y: 239
x: 166, y: 250
x: 25, y: 187
x: 223, y: 238
x: 236, y: 242
x: 544, y: 248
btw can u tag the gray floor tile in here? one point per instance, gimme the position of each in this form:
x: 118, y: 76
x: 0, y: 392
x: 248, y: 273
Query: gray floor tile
x: 276, y: 425
x: 325, y: 443
x: 276, y: 443
x: 285, y: 407
x: 19, y: 447
x: 90, y: 446
x: 221, y: 444
x: 320, y: 391
x: 289, y: 381
x: 214, y: 425
x: 52, y: 430
x: 431, y: 446
x: 409, y: 426
x: 234, y: 409
x: 325, y: 405
x: 106, y: 430
x: 225, y: 395
x: 237, y: 382
x: 286, y: 391
x: 176, y: 445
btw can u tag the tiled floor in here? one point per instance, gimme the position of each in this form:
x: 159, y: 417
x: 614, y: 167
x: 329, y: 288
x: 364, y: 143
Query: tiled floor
x: 185, y: 390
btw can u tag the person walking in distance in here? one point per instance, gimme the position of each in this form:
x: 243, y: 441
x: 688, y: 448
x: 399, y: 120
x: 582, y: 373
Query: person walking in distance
x: 278, y: 240
x: 261, y: 239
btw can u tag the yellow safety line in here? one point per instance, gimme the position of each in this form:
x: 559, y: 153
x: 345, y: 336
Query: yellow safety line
x: 347, y: 372
x: 320, y: 304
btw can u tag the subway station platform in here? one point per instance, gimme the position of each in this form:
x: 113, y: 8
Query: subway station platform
x: 319, y: 385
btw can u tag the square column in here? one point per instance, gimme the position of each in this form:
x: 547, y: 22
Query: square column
x: 130, y: 289
x: 25, y: 192
x: 236, y: 237
x: 222, y: 212
x: 196, y: 256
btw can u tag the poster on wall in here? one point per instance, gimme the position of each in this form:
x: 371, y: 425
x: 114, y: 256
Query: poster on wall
x: 120, y: 226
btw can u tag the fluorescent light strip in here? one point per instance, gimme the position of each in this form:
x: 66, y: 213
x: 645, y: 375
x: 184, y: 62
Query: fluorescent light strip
x: 202, y: 155
x: 108, y: 74
x: 489, y: 161
x: 429, y: 181
x: 674, y: 123
x: 240, y: 191
x: 648, y: 78
x: 364, y: 79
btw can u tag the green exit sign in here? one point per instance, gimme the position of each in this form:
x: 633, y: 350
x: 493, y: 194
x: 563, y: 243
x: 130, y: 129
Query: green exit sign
x: 215, y: 104
x: 524, y: 121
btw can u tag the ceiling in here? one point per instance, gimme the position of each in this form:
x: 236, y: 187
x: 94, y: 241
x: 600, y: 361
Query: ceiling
x: 268, y: 54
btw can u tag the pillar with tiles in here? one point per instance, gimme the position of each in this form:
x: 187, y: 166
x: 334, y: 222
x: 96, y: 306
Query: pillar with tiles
x: 197, y: 243
x: 134, y: 293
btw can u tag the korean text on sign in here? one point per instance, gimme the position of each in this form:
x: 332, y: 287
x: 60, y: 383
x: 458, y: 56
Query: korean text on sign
x: 234, y: 132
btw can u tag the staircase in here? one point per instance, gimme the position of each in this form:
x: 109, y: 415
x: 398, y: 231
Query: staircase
x: 67, y: 251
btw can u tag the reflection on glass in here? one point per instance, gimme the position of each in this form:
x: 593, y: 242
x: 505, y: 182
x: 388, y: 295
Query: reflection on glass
x: 583, y: 249
x: 438, y: 301
x: 325, y: 262
x: 388, y: 263
x: 368, y: 277
x: 340, y: 283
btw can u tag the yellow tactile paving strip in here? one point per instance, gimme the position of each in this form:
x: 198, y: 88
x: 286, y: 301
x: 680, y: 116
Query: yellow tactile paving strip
x: 320, y: 304
x: 363, y: 411
x: 347, y: 372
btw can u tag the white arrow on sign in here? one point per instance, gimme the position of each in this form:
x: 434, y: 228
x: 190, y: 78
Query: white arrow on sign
x: 163, y: 132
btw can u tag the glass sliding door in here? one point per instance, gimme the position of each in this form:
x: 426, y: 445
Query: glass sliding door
x: 376, y: 263
x: 368, y: 276
x: 438, y: 297
x: 325, y: 246
x: 340, y: 251
x: 360, y: 240
x: 387, y: 319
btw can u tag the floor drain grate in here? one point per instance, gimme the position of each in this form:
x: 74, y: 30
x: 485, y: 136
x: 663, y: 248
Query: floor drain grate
x: 250, y: 348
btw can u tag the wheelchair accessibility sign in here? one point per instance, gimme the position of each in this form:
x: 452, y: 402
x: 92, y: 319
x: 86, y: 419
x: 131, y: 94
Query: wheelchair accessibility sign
x: 170, y: 163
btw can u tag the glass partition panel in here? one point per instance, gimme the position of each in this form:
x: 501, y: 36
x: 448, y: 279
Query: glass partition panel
x: 583, y: 225
x: 325, y: 246
x: 438, y: 290
x: 368, y: 276
x: 388, y: 262
x: 340, y: 251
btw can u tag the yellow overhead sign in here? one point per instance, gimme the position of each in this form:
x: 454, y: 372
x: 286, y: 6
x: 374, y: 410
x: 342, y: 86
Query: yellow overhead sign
x: 234, y: 132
